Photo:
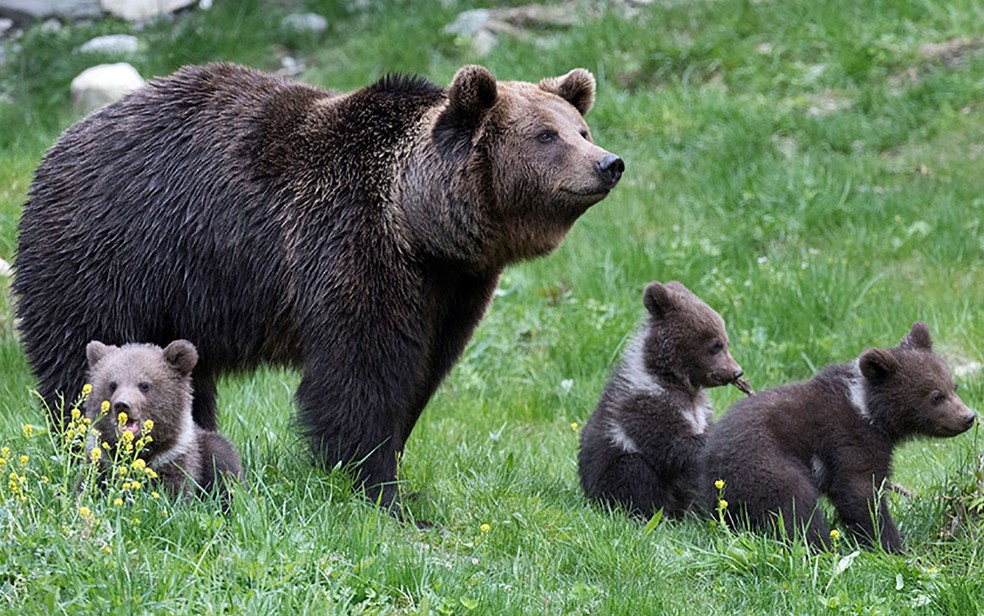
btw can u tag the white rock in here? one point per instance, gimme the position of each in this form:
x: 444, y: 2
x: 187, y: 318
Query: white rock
x: 39, y: 9
x: 306, y: 22
x: 102, y: 84
x: 114, y: 44
x: 142, y: 10
x: 468, y: 23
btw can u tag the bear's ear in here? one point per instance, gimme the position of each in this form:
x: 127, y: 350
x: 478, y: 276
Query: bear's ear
x: 472, y: 92
x: 576, y: 87
x: 182, y: 355
x: 659, y: 298
x: 918, y: 338
x: 95, y: 351
x: 877, y: 365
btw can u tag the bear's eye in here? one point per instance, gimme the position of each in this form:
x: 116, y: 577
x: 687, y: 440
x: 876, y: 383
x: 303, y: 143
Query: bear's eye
x: 717, y: 346
x: 937, y: 397
x: 584, y: 134
x: 547, y: 136
x: 112, y: 386
x: 144, y: 386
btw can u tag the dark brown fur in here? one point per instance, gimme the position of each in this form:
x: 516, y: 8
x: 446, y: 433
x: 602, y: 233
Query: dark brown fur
x: 358, y: 236
x: 780, y: 450
x: 150, y: 383
x: 640, y: 449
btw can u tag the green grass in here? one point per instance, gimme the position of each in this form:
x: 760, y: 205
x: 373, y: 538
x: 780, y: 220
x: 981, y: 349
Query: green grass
x: 804, y: 167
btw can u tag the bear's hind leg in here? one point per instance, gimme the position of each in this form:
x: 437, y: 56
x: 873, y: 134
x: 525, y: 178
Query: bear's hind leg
x: 203, y: 409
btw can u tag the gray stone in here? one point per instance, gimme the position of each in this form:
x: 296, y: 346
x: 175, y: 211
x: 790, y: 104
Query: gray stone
x: 27, y: 10
x: 143, y: 10
x: 103, y: 84
x: 306, y: 22
x: 112, y: 44
x: 468, y: 23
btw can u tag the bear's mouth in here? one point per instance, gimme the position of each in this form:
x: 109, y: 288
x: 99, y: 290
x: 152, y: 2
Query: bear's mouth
x: 132, y: 426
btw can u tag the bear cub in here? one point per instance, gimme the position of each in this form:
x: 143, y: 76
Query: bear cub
x: 780, y: 450
x: 640, y: 447
x: 146, y: 382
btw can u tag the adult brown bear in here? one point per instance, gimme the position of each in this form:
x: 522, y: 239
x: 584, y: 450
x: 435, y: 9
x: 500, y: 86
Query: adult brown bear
x: 358, y: 236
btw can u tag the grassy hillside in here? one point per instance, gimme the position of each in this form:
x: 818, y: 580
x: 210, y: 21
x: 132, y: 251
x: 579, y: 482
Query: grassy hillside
x: 811, y: 170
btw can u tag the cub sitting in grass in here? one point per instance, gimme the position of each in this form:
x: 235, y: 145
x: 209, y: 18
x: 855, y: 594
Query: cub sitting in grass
x: 641, y: 446
x: 779, y: 450
x: 140, y: 383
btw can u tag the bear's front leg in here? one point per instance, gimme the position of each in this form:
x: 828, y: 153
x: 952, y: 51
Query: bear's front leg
x: 349, y: 411
x: 864, y: 511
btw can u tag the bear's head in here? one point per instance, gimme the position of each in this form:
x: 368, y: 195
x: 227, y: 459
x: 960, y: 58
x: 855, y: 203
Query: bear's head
x: 520, y: 163
x: 911, y: 391
x: 686, y: 339
x: 136, y: 383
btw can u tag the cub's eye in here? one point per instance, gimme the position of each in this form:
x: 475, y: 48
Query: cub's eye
x: 547, y: 136
x: 144, y: 386
x: 936, y: 397
x: 717, y: 346
x: 584, y: 134
x: 112, y: 386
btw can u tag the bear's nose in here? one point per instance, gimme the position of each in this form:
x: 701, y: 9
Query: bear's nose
x: 737, y: 374
x: 969, y: 420
x: 610, y: 168
x: 121, y: 406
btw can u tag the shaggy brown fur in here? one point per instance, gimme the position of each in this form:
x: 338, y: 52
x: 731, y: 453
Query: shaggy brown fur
x: 358, y: 237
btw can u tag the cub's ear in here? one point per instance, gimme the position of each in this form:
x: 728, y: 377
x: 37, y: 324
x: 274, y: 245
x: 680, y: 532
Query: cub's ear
x: 95, y: 351
x: 918, y: 338
x: 659, y: 298
x: 182, y: 355
x: 877, y: 365
x: 472, y: 92
x: 576, y: 87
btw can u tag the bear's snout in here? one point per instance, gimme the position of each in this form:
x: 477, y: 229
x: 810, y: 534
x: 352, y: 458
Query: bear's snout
x: 969, y: 419
x: 121, y: 406
x: 610, y: 168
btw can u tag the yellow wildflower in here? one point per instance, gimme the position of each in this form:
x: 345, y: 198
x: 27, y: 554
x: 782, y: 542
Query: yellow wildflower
x: 87, y: 389
x: 127, y: 485
x: 95, y: 454
x: 76, y: 413
x: 148, y: 425
x: 150, y: 473
x: 722, y: 504
x: 106, y: 549
x: 2, y: 462
x: 28, y: 430
x: 4, y: 452
x: 23, y: 461
x: 139, y: 464
x: 135, y: 485
x: 122, y: 470
x: 118, y: 502
x: 85, y: 512
x: 104, y: 407
x: 155, y: 495
x: 121, y: 419
x: 719, y: 484
x: 127, y: 436
x: 835, y: 534
x: 105, y: 445
x: 485, y: 528
x: 574, y: 426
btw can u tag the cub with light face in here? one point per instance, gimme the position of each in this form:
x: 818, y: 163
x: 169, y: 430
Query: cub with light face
x: 142, y: 389
x: 641, y: 447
